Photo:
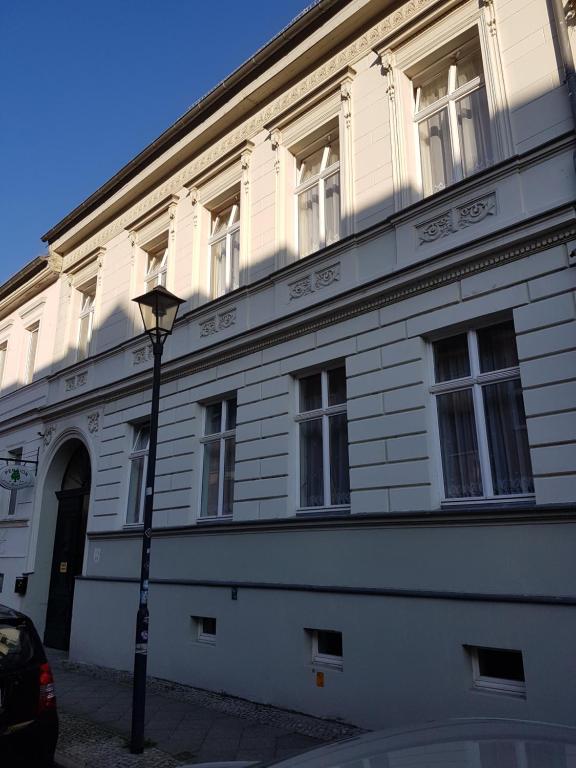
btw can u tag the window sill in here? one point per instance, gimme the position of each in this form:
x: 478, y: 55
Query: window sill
x: 327, y: 664
x: 215, y: 520
x: 489, y: 502
x: 510, y: 691
x: 322, y: 511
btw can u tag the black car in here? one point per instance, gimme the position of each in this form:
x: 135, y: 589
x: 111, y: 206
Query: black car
x: 28, y: 717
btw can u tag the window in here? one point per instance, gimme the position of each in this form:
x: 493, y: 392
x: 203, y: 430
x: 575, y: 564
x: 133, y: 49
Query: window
x: 15, y: 454
x: 156, y: 265
x: 219, y: 455
x: 31, y: 354
x: 482, y: 426
x: 497, y: 670
x: 3, y: 352
x: 318, y: 195
x: 205, y: 629
x: 327, y: 647
x: 138, y: 465
x: 452, y: 118
x: 323, y: 427
x: 225, y: 249
x: 86, y: 320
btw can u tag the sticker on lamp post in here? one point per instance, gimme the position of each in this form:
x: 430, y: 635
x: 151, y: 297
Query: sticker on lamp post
x: 15, y: 477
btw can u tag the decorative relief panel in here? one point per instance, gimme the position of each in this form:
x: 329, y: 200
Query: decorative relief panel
x: 457, y: 218
x: 218, y: 322
x: 142, y: 355
x: 93, y: 422
x: 75, y: 382
x: 374, y: 36
x: 322, y: 278
x: 49, y: 433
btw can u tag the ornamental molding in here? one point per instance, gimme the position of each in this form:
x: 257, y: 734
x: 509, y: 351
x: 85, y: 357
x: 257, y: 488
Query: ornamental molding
x: 219, y: 322
x: 457, y: 218
x: 374, y: 36
x: 93, y: 422
x: 49, y: 433
x: 142, y: 355
x: 321, y: 278
x: 75, y: 382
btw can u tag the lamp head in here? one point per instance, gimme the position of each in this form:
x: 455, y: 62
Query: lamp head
x: 158, y: 308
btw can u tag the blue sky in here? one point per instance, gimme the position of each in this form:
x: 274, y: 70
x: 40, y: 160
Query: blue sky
x: 86, y: 86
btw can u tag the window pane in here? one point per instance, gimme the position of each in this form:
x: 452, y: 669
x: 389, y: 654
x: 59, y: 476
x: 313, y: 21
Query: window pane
x: 459, y: 445
x: 229, y: 457
x: 497, y: 347
x: 32, y: 346
x: 337, y: 386
x: 311, y: 464
x: 334, y: 153
x: 507, y: 438
x: 210, y: 479
x: 468, y: 68
x: 310, y: 393
x: 505, y: 665
x: 451, y: 358
x: 208, y: 626
x: 339, y: 471
x: 219, y: 268
x: 84, y: 337
x: 135, y: 489
x: 308, y: 221
x: 234, y: 259
x: 3, y: 349
x: 142, y: 439
x: 220, y: 221
x: 436, y: 88
x: 329, y: 643
x: 213, y: 419
x: 231, y: 413
x: 310, y: 165
x: 435, y: 152
x: 332, y: 208
x: 474, y: 132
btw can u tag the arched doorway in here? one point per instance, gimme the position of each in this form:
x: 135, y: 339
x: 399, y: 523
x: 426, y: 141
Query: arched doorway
x: 68, y: 552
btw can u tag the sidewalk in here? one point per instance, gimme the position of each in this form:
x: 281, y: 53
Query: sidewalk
x: 183, y: 725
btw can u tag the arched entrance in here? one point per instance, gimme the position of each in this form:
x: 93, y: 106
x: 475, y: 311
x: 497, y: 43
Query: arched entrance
x: 68, y: 552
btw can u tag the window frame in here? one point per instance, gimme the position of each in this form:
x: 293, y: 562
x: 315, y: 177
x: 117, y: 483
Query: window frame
x: 201, y: 635
x: 3, y: 356
x: 221, y: 438
x: 86, y: 313
x: 159, y: 274
x: 133, y: 456
x: 233, y: 227
x: 475, y: 381
x: 326, y: 659
x: 325, y: 412
x: 499, y: 685
x: 33, y: 332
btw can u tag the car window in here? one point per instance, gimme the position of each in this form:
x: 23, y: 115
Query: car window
x: 15, y: 647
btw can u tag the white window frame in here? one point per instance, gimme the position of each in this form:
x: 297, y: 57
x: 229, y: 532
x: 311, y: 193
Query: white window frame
x: 232, y: 281
x: 201, y: 634
x: 3, y: 356
x: 325, y: 659
x: 134, y: 456
x: 86, y: 313
x: 220, y: 437
x: 319, y: 180
x: 475, y: 382
x: 324, y: 413
x: 156, y: 274
x: 33, y: 332
x: 494, y: 684
x: 454, y: 95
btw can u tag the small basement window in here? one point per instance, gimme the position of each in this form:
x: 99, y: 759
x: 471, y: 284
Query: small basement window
x: 498, y: 670
x: 205, y: 629
x: 327, y: 647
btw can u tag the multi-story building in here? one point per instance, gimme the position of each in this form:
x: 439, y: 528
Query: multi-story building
x: 366, y: 477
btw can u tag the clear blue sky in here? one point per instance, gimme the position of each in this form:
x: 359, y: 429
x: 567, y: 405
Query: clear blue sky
x: 87, y: 85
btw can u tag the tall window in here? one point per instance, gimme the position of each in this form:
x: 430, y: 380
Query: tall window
x: 482, y: 426
x: 452, y: 118
x: 31, y: 352
x: 86, y: 321
x: 3, y: 352
x: 318, y: 196
x: 225, y: 250
x: 138, y: 465
x: 156, y: 266
x: 323, y: 425
x: 219, y: 455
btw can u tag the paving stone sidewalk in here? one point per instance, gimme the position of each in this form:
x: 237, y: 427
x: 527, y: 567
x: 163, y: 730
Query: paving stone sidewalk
x: 183, y: 724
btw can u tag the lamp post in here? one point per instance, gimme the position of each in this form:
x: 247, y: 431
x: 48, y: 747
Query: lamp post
x: 159, y: 308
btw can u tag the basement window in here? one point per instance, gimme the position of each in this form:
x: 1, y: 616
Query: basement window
x: 327, y: 647
x: 205, y: 629
x: 498, y: 670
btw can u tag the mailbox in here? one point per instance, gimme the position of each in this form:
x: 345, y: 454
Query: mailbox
x: 20, y: 585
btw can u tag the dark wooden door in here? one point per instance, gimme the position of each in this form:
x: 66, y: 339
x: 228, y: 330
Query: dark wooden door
x: 66, y: 565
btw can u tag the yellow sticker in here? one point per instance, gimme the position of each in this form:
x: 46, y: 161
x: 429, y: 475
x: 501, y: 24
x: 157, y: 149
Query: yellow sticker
x: 63, y: 567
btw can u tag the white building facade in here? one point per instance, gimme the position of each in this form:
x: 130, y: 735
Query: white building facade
x: 366, y: 481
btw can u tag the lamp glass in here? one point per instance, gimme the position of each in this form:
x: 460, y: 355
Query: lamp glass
x: 158, y: 308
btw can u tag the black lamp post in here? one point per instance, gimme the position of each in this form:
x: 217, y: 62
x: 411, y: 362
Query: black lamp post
x: 159, y: 308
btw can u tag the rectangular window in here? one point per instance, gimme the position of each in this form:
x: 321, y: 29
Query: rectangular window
x: 452, y: 118
x: 156, y: 265
x: 31, y: 353
x: 138, y: 465
x: 3, y: 352
x: 481, y: 420
x: 225, y: 249
x: 85, y: 321
x: 323, y: 438
x: 318, y: 195
x: 498, y: 670
x: 205, y: 629
x: 327, y: 647
x: 219, y: 455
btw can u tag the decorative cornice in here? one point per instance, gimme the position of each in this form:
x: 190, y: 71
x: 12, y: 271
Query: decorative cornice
x: 249, y: 128
x: 460, y: 217
x: 314, y: 281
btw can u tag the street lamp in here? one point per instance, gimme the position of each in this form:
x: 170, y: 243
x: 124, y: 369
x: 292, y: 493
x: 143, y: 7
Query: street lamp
x: 159, y: 308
